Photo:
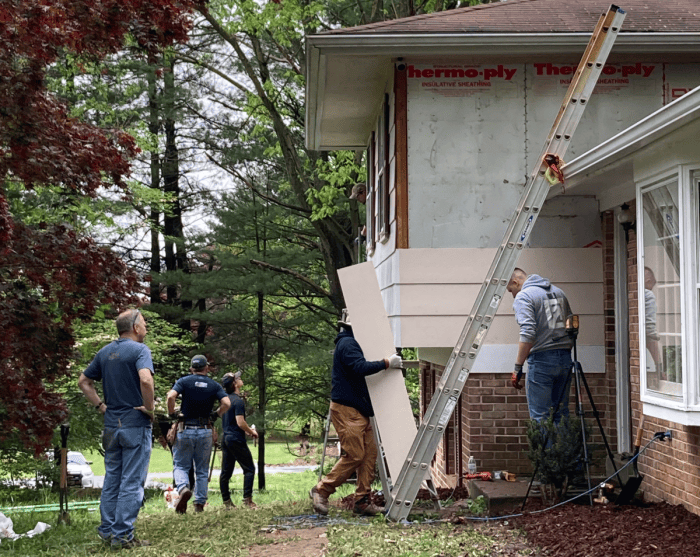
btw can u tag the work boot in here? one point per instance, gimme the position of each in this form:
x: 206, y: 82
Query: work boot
x: 248, y: 502
x: 365, y: 507
x: 228, y: 505
x: 319, y: 501
x: 198, y: 508
x: 185, y: 495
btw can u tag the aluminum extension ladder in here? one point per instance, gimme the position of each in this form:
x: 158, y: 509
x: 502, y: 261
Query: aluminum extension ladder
x: 492, y: 290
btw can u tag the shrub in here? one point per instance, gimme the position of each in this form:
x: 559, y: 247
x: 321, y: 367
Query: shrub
x: 556, y: 450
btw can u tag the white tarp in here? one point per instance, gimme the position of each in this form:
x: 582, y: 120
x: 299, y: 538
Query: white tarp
x: 6, y: 531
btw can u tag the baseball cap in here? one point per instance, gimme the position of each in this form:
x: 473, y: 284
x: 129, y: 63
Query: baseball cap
x: 199, y: 362
x: 228, y: 379
x: 356, y: 189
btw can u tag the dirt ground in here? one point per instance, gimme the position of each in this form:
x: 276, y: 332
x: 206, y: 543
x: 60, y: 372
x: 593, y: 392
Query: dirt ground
x: 572, y: 530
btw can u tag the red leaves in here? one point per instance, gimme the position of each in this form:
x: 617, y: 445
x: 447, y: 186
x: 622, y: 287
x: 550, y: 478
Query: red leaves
x: 48, y: 279
x: 39, y: 143
x: 51, y: 277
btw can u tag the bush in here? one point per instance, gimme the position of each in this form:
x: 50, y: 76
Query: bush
x: 556, y: 450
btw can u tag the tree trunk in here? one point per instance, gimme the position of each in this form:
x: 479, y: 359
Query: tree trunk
x: 175, y: 258
x: 154, y: 128
x: 262, y: 393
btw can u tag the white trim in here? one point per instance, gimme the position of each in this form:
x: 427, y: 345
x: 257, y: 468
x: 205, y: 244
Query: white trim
x: 628, y: 142
x: 622, y: 355
x: 666, y: 177
x: 673, y: 415
x: 685, y: 409
x: 689, y: 261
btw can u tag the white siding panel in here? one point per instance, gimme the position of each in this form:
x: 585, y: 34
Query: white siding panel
x: 443, y: 331
x: 499, y: 358
x: 470, y: 265
x: 458, y: 299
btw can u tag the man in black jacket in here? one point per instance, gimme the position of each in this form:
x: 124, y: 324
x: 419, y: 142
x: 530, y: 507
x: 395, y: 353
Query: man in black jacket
x: 351, y: 410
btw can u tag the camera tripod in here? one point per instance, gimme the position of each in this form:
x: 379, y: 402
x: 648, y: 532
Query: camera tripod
x: 578, y: 379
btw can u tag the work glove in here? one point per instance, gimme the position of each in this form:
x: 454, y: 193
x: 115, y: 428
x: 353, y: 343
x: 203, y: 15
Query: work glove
x: 174, y: 415
x: 394, y: 361
x: 516, y: 377
x: 213, y: 417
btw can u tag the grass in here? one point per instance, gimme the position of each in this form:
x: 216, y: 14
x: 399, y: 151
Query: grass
x: 276, y: 452
x: 219, y: 533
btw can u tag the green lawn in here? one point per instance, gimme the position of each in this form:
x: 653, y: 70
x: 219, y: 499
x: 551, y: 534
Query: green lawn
x: 220, y: 533
x: 277, y: 452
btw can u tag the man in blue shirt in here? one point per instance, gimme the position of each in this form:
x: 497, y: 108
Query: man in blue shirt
x: 125, y: 369
x: 194, y: 436
x: 234, y: 447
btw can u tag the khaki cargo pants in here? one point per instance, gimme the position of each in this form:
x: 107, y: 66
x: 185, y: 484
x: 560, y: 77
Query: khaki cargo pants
x: 359, y: 452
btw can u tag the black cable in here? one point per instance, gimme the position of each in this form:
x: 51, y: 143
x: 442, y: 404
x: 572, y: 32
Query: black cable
x: 657, y: 436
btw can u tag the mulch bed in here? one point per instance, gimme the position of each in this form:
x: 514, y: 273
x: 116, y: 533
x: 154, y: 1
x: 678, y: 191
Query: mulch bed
x: 576, y: 530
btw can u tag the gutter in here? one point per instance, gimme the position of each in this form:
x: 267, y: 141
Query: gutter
x: 658, y: 124
x: 490, y: 43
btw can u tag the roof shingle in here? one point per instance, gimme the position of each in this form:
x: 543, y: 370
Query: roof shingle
x: 542, y: 16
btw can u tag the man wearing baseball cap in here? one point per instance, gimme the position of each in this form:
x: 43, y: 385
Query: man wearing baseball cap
x: 359, y: 192
x: 234, y: 447
x: 194, y: 437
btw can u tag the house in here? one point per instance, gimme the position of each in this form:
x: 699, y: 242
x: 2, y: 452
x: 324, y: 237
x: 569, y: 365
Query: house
x: 452, y: 109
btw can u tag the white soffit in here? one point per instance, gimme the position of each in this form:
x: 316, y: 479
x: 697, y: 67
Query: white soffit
x: 346, y: 73
x: 609, y: 165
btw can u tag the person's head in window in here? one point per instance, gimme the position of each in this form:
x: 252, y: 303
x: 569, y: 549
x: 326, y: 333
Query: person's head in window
x: 359, y: 192
x: 649, y: 278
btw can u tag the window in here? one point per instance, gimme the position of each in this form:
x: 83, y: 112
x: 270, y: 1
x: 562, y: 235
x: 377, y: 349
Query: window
x: 371, y: 189
x: 661, y: 288
x: 383, y: 169
x: 669, y: 286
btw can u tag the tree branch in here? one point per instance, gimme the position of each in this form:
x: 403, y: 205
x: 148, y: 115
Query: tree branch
x: 315, y: 287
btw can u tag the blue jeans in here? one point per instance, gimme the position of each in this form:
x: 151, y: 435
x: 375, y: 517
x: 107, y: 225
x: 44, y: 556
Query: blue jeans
x: 127, y: 454
x: 193, y: 445
x: 548, y: 383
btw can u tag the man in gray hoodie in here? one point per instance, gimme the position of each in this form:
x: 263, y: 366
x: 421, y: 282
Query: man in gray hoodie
x: 541, y: 310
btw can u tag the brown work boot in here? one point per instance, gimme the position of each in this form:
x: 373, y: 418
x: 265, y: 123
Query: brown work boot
x: 185, y: 495
x: 319, y: 501
x: 248, y: 502
x: 366, y: 507
x: 228, y: 505
x: 198, y: 508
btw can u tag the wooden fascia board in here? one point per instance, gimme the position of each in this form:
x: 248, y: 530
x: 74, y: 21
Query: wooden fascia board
x: 401, y: 146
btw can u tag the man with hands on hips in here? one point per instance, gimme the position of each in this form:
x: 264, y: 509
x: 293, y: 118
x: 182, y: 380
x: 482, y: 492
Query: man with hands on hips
x: 125, y: 369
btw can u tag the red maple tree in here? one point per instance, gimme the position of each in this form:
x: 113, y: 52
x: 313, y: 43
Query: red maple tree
x: 50, y: 275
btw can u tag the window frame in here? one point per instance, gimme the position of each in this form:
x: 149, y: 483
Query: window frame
x: 383, y: 172
x: 371, y: 189
x: 684, y: 409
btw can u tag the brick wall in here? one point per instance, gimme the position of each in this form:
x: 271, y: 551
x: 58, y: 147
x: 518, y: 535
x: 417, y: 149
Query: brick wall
x: 494, y: 421
x: 671, y: 470
x: 491, y: 419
